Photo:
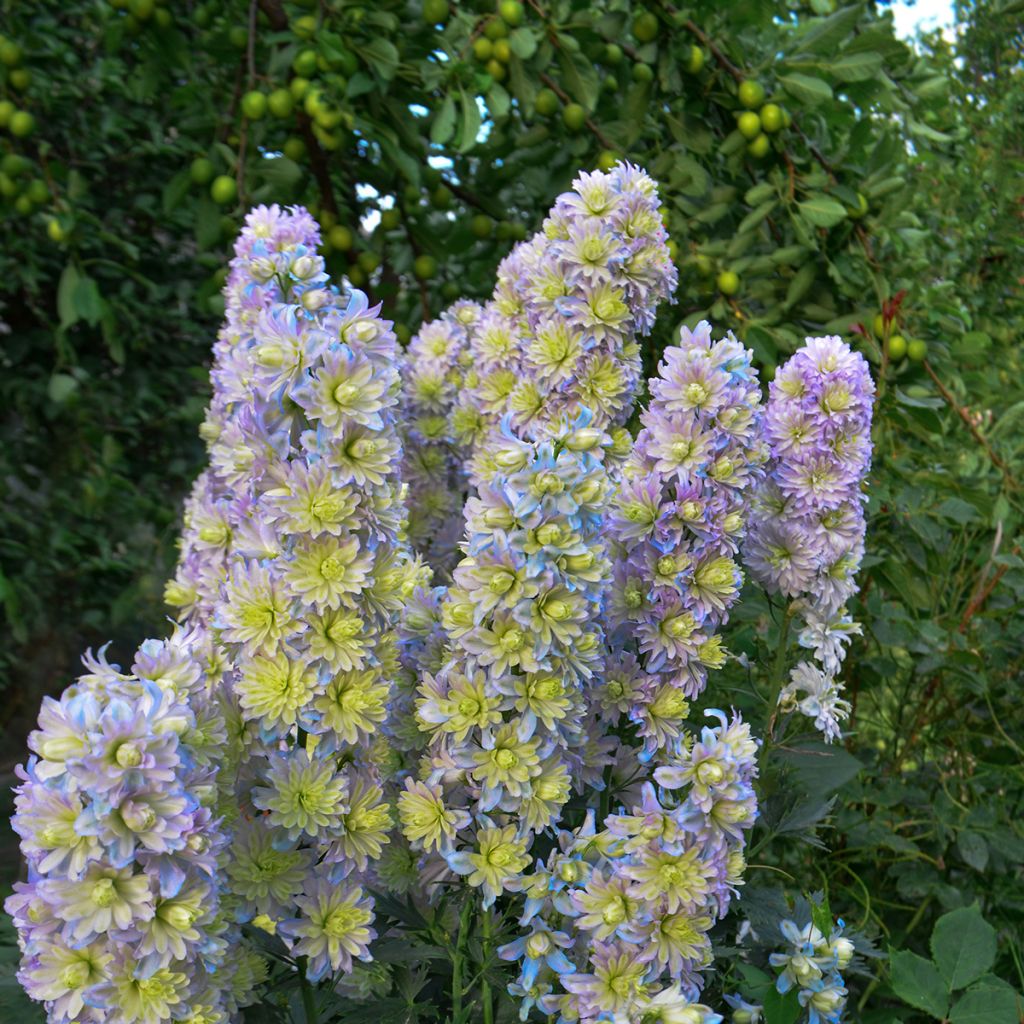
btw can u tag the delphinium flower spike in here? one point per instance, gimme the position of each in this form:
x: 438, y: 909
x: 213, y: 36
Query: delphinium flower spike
x: 806, y: 539
x: 119, y: 816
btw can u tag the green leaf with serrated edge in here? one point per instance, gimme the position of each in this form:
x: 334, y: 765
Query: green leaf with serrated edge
x: 964, y: 946
x: 917, y: 982
x: 985, y: 1004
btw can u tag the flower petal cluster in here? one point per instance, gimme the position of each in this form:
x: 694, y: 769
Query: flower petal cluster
x: 435, y: 364
x: 678, y: 518
x: 813, y: 963
x: 121, y: 919
x: 505, y: 714
x: 620, y: 917
x: 275, y: 262
x: 806, y: 539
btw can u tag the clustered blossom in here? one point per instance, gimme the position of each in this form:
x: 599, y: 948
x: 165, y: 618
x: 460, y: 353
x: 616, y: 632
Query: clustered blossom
x: 558, y: 337
x: 434, y: 366
x: 304, y: 620
x: 275, y: 262
x: 121, y: 920
x: 323, y: 723
x: 619, y: 918
x: 813, y: 964
x: 678, y: 519
x: 807, y: 536
x: 506, y: 714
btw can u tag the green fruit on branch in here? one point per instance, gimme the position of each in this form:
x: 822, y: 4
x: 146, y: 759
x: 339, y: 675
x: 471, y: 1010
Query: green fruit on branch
x: 574, y: 116
x: 294, y: 148
x: 749, y: 125
x: 424, y: 267
x: 495, y: 69
x: 435, y: 12
x: 305, y: 63
x: 546, y: 103
x: 281, y: 103
x: 368, y: 261
x: 502, y: 51
x: 483, y: 49
x: 607, y: 160
x: 7, y: 109
x: 695, y: 61
x: 341, y: 238
x: 751, y: 94
x: 496, y: 29
x: 759, y: 147
x: 645, y: 27
x: 613, y: 54
x: 22, y: 124
x: 878, y: 325
x: 224, y: 190
x: 917, y: 350
x: 481, y: 225
x: 897, y: 347
x: 254, y: 105
x: 390, y: 218
x: 305, y: 27
x: 511, y: 12
x: 728, y: 282
x: 772, y: 118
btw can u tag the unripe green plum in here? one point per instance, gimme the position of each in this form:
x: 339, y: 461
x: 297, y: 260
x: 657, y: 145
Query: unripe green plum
x: 7, y: 109
x: 645, y: 27
x: 305, y: 26
x: 511, y: 12
x: 759, y: 147
x: 695, y: 61
x: 341, y: 238
x: 749, y: 125
x: 294, y: 148
x: 574, y: 116
x: 390, y: 218
x: 897, y: 347
x: 546, y: 103
x: 642, y: 72
x: 482, y: 226
x: 201, y: 170
x: 751, y: 94
x: 20, y: 78
x: 224, y: 190
x: 772, y: 119
x: 435, y: 12
x: 22, y: 124
x: 483, y: 49
x: 368, y: 261
x: 424, y: 267
x: 495, y: 29
x: 305, y: 63
x: 281, y: 103
x: 495, y: 69
x: 612, y: 54
x: 254, y: 105
x: 917, y: 350
x: 728, y: 282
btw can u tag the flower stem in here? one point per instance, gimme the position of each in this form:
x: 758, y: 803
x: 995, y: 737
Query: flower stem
x: 485, y: 985
x: 779, y: 668
x: 458, y: 959
x: 308, y: 1002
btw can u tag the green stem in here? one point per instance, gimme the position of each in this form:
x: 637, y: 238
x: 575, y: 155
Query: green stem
x: 485, y: 985
x: 779, y: 669
x: 308, y: 1002
x: 458, y: 959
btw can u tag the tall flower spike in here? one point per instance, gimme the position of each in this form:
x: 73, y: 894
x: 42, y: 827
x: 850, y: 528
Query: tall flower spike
x: 118, y: 818
x: 275, y: 261
x: 678, y: 520
x: 807, y: 534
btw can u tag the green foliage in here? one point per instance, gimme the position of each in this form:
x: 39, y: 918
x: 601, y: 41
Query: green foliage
x: 883, y: 184
x: 964, y: 949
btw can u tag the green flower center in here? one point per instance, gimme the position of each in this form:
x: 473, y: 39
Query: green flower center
x: 345, y: 393
x: 103, y: 892
x: 128, y: 755
x: 505, y: 759
x: 332, y: 568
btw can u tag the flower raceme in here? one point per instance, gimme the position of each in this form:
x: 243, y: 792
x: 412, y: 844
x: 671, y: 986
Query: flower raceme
x: 807, y: 534
x: 324, y: 723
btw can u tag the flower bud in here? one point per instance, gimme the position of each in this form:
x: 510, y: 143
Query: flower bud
x: 510, y: 459
x: 583, y: 440
x: 303, y: 267
x: 314, y: 299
